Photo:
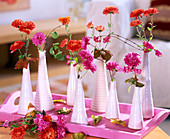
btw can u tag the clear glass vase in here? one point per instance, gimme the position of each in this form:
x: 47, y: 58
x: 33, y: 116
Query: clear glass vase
x: 71, y: 88
x: 136, y: 117
x: 43, y: 98
x: 79, y: 115
x: 26, y: 95
x: 101, y: 88
x: 146, y: 91
x: 112, y: 107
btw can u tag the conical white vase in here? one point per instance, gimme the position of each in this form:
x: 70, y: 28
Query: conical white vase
x: 146, y: 91
x: 26, y: 95
x: 136, y: 117
x: 79, y: 115
x: 43, y: 98
x: 101, y: 88
x: 71, y: 88
x: 112, y: 107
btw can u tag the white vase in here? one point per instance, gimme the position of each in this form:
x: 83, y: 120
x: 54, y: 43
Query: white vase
x: 71, y: 86
x: 43, y: 98
x: 26, y: 95
x: 146, y: 91
x: 79, y: 115
x: 112, y: 107
x: 136, y: 117
x: 101, y: 88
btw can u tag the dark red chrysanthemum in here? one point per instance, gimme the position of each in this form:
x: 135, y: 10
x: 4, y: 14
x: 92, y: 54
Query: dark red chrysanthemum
x: 27, y: 27
x: 17, y: 23
x: 18, y: 133
x: 110, y: 10
x: 16, y: 45
x: 150, y: 11
x: 64, y: 20
x: 74, y: 45
x: 48, y: 133
x: 135, y: 23
x: 47, y: 118
x: 63, y: 43
x: 137, y: 12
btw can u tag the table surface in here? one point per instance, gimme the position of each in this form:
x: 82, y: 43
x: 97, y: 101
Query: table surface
x: 156, y: 133
x: 9, y: 34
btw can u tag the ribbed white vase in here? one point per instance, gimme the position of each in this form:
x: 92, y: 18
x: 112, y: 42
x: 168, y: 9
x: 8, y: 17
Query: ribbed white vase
x: 136, y: 117
x: 43, y: 98
x: 101, y: 88
x: 71, y: 86
x: 112, y: 107
x: 26, y: 95
x: 146, y: 91
x: 79, y: 115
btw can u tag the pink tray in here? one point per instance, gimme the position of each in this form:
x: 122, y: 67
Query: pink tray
x: 104, y: 129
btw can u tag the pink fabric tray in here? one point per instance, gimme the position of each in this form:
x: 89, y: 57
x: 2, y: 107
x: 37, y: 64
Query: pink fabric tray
x: 104, y: 129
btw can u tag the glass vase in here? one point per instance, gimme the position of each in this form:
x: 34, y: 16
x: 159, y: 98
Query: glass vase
x: 26, y: 95
x: 146, y: 91
x: 136, y: 117
x: 79, y: 115
x: 71, y: 86
x: 101, y: 88
x: 112, y: 107
x: 43, y: 98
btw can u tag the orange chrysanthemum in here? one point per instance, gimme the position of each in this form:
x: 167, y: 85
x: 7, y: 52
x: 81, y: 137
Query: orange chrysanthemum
x: 63, y: 43
x: 47, y: 118
x: 74, y: 45
x: 17, y: 23
x: 137, y: 12
x: 64, y: 20
x: 16, y: 45
x: 18, y: 133
x: 90, y: 24
x: 135, y: 23
x: 110, y: 10
x: 48, y: 133
x: 27, y: 27
x: 100, y: 28
x: 150, y: 11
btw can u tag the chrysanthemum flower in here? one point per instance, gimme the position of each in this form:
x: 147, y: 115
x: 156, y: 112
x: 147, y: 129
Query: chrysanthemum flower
x: 38, y: 38
x: 158, y: 53
x: 113, y: 66
x: 16, y: 45
x: 150, y: 11
x: 17, y: 23
x: 132, y: 59
x: 147, y: 47
x: 27, y: 27
x: 137, y: 12
x: 48, y: 133
x: 110, y: 10
x: 135, y: 23
x: 85, y: 42
x: 100, y: 28
x: 74, y: 45
x: 90, y: 25
x: 64, y: 20
x: 18, y: 133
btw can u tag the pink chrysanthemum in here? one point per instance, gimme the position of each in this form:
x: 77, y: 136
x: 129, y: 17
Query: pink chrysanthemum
x: 106, y: 39
x: 147, y: 47
x: 158, y: 53
x: 132, y: 59
x: 90, y: 66
x: 38, y: 38
x: 40, y: 122
x: 86, y: 55
x: 85, y: 42
x: 113, y: 66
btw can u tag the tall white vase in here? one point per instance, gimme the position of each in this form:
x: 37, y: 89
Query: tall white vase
x: 43, y: 98
x: 79, y: 115
x: 112, y: 107
x: 136, y: 117
x: 101, y: 88
x: 146, y: 91
x: 71, y: 88
x: 26, y: 95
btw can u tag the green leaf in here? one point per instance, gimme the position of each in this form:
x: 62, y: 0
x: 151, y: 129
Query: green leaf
x: 62, y: 58
x: 66, y: 25
x: 76, y: 59
x: 149, y: 28
x: 139, y: 84
x: 29, y: 55
x: 57, y: 56
x: 56, y: 44
x: 109, y: 25
x: 70, y: 35
x: 21, y: 56
x: 34, y: 128
x: 55, y: 47
x: 96, y: 119
x: 139, y: 26
x: 52, y: 51
x: 78, y: 136
x: 44, y: 113
x: 55, y: 35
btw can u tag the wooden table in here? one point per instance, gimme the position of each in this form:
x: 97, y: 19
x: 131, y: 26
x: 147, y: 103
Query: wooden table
x: 157, y: 133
